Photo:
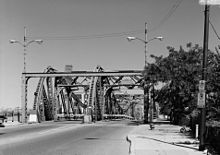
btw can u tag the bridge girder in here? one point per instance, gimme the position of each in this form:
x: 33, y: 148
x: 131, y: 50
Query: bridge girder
x: 68, y: 81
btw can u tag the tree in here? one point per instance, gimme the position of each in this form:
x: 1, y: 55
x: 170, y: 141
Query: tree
x: 213, y: 85
x: 180, y: 70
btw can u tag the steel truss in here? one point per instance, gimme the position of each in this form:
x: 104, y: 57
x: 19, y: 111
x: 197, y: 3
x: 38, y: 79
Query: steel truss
x: 57, y: 93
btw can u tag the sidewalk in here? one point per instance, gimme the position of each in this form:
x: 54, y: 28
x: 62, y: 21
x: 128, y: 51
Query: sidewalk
x: 164, y: 139
x: 10, y: 123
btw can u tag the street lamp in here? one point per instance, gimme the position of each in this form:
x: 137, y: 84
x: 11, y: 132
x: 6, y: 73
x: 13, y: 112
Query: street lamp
x: 146, y: 103
x: 130, y: 38
x: 135, y: 38
x: 25, y: 44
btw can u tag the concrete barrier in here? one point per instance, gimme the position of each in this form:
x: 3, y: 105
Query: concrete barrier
x: 87, y: 119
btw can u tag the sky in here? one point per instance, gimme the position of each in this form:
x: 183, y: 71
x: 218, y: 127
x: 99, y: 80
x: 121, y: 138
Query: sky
x: 87, y: 33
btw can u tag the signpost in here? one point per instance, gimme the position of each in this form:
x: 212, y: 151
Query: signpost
x: 201, y: 100
x: 201, y: 85
x: 201, y: 94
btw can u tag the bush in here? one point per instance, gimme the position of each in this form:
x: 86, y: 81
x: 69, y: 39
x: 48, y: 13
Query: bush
x: 213, y: 135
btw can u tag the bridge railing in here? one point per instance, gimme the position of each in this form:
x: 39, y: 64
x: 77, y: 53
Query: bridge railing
x: 117, y: 116
x: 80, y: 116
x: 70, y: 116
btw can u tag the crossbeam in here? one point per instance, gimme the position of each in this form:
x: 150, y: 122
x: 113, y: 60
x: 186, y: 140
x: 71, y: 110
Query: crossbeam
x: 80, y: 85
x: 84, y: 74
x: 125, y: 85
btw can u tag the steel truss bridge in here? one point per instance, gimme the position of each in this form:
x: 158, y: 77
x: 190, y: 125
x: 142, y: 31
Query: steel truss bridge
x: 78, y: 93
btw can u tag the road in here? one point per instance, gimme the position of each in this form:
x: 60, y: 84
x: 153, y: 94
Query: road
x: 67, y: 138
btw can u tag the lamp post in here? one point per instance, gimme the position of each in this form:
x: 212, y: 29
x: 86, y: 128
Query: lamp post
x: 145, y: 45
x: 146, y: 94
x: 25, y: 44
x: 145, y: 41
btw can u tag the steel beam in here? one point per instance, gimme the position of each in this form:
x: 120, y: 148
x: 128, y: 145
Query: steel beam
x: 84, y: 74
x: 24, y: 99
x: 66, y: 85
x: 120, y: 85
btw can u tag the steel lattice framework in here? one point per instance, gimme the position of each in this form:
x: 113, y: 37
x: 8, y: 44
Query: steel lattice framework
x: 57, y: 93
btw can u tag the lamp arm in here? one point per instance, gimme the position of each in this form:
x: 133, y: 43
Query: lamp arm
x: 151, y: 40
x: 141, y: 40
x: 28, y: 43
x: 18, y: 42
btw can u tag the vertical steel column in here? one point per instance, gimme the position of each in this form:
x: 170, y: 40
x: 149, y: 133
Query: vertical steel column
x: 50, y: 97
x: 55, y: 105
x: 103, y: 101
x: 24, y: 98
x: 86, y: 101
x: 95, y: 107
x: 101, y: 96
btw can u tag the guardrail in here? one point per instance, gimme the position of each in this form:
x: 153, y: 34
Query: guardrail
x: 117, y: 116
x: 70, y: 116
x: 105, y: 116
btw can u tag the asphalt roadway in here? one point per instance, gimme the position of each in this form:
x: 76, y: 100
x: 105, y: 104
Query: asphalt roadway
x: 67, y: 138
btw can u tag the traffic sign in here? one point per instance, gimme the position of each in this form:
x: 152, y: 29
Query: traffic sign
x: 201, y: 100
x: 201, y: 85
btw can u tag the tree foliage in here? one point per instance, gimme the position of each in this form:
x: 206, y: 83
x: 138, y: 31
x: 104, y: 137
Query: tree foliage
x: 181, y: 70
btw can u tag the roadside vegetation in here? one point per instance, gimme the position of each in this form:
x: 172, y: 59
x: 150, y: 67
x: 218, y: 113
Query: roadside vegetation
x: 181, y: 71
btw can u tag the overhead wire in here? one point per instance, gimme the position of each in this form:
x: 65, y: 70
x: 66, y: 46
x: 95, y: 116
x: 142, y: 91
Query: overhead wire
x: 93, y: 36
x: 114, y: 34
x: 213, y: 28
x: 167, y: 16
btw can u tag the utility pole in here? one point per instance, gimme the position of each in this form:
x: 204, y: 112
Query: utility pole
x: 204, y: 77
x: 146, y: 100
x: 145, y: 46
x: 146, y: 86
x: 25, y: 45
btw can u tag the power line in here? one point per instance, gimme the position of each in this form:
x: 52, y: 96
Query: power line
x: 169, y: 14
x: 93, y: 36
x: 114, y: 34
x: 214, y: 29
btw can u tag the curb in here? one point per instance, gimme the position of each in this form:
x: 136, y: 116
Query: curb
x: 130, y: 139
x: 11, y: 124
x: 184, y: 144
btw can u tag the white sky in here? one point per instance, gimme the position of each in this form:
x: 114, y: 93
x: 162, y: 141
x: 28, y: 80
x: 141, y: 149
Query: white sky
x: 49, y: 19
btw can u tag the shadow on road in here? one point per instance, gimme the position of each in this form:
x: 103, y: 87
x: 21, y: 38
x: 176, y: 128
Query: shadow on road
x: 91, y: 138
x: 135, y: 123
x: 2, y: 134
